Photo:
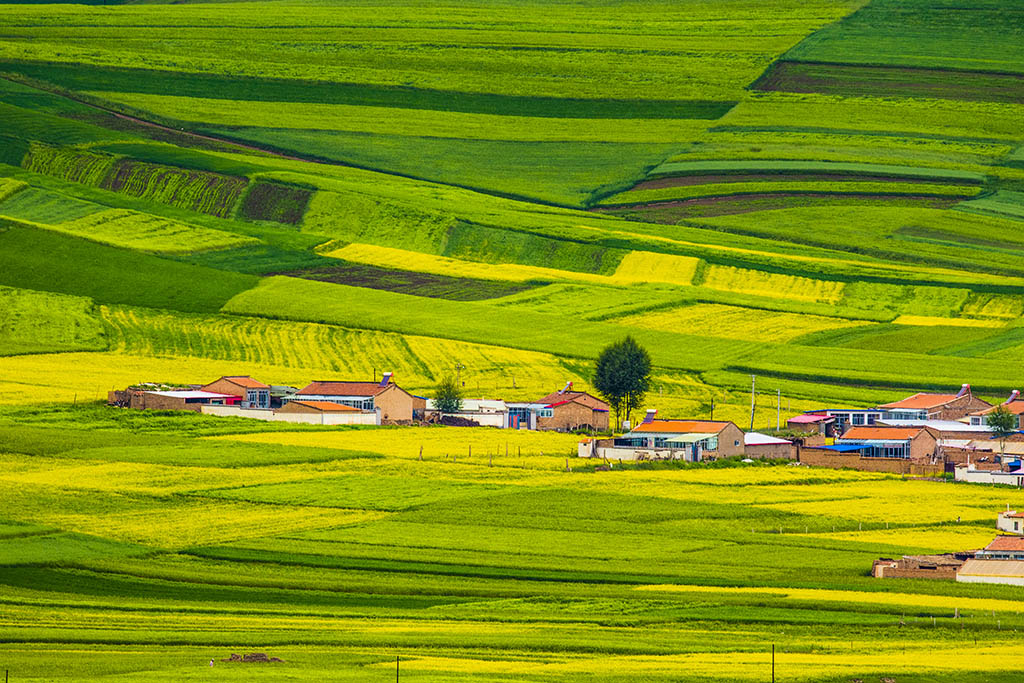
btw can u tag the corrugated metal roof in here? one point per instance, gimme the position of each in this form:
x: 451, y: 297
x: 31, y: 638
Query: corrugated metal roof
x: 758, y: 439
x: 190, y: 394
x: 810, y: 419
x: 1006, y: 568
x: 938, y: 425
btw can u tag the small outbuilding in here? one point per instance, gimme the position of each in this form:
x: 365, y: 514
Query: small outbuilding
x: 757, y: 445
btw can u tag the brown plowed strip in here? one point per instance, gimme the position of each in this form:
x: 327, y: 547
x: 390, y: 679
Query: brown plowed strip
x: 671, y: 212
x: 682, y: 181
x: 899, y: 81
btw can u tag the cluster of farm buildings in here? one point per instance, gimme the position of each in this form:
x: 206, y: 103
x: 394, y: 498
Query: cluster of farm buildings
x: 924, y: 434
x: 1001, y: 561
x: 332, y: 402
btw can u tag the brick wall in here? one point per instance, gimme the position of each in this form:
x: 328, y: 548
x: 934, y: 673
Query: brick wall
x: 571, y: 416
x: 817, y: 457
x: 772, y: 450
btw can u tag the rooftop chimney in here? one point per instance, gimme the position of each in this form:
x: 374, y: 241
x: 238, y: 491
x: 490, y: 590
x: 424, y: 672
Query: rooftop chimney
x: 649, y: 417
x: 385, y: 379
x: 1014, y: 395
x: 567, y: 387
x: 965, y: 389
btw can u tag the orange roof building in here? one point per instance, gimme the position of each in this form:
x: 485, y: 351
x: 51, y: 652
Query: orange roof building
x: 923, y: 406
x: 254, y: 394
x: 714, y: 438
x: 918, y: 444
x: 395, y: 404
x: 1014, y: 405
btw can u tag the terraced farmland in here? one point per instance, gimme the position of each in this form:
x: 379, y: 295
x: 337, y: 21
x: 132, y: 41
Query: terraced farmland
x: 828, y: 195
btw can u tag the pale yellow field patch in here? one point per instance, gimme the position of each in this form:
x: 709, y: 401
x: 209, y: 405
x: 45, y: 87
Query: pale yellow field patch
x: 736, y: 322
x: 436, y: 442
x: 942, y: 539
x: 932, y: 321
x: 943, y: 603
x: 205, y: 522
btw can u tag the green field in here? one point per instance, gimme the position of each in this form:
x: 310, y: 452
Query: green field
x: 828, y: 195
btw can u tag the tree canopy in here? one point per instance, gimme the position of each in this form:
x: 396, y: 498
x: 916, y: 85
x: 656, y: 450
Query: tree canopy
x: 623, y: 376
x: 448, y: 398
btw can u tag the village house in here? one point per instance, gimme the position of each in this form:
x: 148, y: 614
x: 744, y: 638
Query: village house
x: 1003, y: 548
x: 901, y: 450
x: 923, y: 406
x: 395, y: 405
x: 171, y: 399
x: 756, y: 445
x: 920, y: 566
x: 567, y: 410
x: 979, y: 474
x: 690, y: 440
x: 949, y: 432
x: 251, y: 393
x: 835, y: 421
x: 1013, y: 405
x: 1011, y: 521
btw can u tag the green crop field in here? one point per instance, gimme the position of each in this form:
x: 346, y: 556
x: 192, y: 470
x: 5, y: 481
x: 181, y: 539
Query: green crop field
x: 827, y: 195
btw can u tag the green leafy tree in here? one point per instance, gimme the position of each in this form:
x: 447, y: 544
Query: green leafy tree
x: 1003, y: 423
x: 623, y: 376
x: 448, y: 398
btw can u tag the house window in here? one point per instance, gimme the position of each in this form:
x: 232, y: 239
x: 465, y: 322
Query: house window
x: 736, y: 442
x: 546, y: 412
x: 871, y: 419
x: 1016, y: 526
x: 858, y: 418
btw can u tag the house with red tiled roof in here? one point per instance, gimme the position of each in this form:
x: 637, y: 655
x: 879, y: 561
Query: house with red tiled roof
x: 1003, y: 548
x: 692, y: 440
x: 1014, y: 405
x: 251, y: 393
x: 923, y: 406
x: 396, y: 405
x: 568, y: 410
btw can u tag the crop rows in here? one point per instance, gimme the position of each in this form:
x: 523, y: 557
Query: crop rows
x: 274, y: 202
x: 146, y: 232
x: 35, y: 322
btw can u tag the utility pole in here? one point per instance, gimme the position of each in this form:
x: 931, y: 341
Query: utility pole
x: 398, y: 659
x: 773, y: 662
x: 778, y: 410
x: 712, y: 408
x: 753, y: 379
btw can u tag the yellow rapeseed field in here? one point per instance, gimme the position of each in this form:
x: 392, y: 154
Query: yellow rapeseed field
x: 937, y: 539
x: 931, y: 321
x: 648, y: 266
x: 773, y: 285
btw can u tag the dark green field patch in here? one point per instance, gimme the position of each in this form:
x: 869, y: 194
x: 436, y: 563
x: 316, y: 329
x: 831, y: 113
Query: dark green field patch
x: 259, y: 259
x: 51, y: 262
x: 885, y: 337
x: 411, y: 282
x: 275, y: 202
x: 86, y: 78
x: 891, y: 81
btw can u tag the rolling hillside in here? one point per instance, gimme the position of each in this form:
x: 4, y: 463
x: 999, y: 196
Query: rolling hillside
x: 827, y: 194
